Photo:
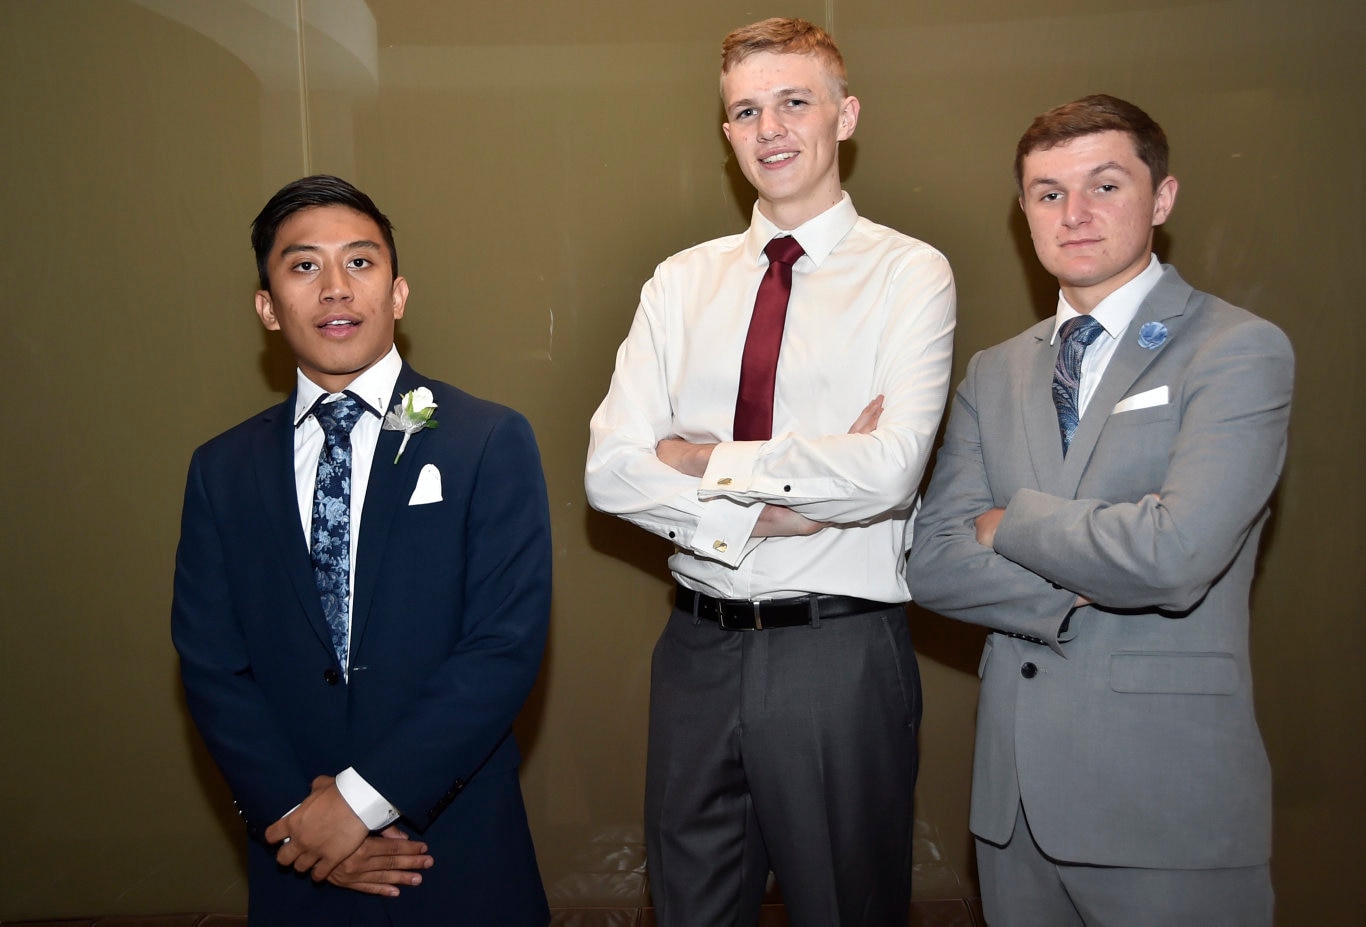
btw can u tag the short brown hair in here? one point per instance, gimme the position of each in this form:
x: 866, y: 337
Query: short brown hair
x: 1099, y: 112
x: 785, y: 37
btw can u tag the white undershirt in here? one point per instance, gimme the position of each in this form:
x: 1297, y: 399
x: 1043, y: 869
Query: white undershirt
x: 1114, y: 312
x: 373, y: 387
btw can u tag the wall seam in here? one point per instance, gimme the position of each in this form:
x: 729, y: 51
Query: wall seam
x: 306, y: 134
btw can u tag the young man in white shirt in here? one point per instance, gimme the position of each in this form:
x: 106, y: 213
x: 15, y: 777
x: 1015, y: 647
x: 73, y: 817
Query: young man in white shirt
x: 785, y: 695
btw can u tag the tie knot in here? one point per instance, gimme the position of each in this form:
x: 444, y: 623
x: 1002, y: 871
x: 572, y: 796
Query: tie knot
x: 1083, y: 329
x: 783, y: 250
x: 337, y: 418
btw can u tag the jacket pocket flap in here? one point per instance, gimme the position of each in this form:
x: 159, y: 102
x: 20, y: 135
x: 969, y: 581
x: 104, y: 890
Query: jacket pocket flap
x: 1174, y: 673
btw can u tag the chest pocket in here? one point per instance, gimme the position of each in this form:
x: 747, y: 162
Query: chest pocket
x: 1137, y: 444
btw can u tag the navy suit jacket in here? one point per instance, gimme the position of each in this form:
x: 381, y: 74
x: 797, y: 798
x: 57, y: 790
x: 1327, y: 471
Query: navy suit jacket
x: 450, y: 612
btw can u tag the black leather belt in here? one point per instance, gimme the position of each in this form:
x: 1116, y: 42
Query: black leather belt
x: 747, y: 615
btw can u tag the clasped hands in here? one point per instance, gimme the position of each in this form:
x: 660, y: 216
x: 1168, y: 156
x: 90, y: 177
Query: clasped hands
x: 774, y: 520
x: 324, y: 837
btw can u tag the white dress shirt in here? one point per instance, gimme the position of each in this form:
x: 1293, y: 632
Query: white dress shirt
x: 373, y: 387
x: 1114, y: 313
x: 871, y: 312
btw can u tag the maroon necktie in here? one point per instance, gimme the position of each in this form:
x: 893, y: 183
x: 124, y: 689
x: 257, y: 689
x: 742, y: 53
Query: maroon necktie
x: 759, y: 368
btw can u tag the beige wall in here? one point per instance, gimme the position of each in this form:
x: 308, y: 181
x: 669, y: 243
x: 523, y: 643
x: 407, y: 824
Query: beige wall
x: 538, y: 159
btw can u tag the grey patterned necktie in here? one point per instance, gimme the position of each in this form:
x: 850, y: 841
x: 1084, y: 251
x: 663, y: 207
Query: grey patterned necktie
x: 1077, y: 335
x: 331, y: 531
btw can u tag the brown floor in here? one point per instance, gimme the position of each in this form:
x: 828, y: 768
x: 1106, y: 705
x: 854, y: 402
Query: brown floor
x: 948, y: 913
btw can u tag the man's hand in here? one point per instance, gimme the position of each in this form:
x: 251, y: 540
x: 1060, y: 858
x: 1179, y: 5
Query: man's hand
x: 382, y: 864
x: 776, y: 521
x: 684, y: 456
x: 868, y: 418
x: 318, y: 834
x: 986, y: 525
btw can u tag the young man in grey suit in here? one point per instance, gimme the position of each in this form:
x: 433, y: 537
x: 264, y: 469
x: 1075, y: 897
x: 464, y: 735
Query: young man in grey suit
x: 1097, y: 503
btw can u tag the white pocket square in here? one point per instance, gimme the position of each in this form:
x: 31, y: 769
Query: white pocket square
x: 1144, y: 400
x: 428, y: 488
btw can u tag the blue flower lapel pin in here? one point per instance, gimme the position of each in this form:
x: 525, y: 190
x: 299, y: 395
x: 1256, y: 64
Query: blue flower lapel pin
x: 1152, y: 335
x: 410, y: 415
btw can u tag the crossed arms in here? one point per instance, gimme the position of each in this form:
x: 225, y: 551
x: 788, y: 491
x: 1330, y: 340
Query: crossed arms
x: 775, y: 521
x: 1014, y: 558
x: 660, y: 454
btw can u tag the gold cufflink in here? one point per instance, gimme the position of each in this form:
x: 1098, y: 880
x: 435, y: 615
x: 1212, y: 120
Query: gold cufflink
x: 723, y: 481
x: 720, y: 546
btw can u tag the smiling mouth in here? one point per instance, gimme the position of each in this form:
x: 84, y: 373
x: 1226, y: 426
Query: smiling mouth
x: 780, y: 156
x: 338, y: 323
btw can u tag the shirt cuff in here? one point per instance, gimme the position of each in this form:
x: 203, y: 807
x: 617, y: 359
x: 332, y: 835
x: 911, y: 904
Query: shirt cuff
x: 723, y: 532
x: 730, y: 470
x: 370, y: 806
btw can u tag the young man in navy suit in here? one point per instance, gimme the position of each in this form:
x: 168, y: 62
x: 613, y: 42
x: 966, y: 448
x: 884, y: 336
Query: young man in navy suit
x: 356, y: 636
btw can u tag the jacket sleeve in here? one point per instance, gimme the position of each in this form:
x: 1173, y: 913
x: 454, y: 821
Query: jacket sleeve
x: 948, y: 571
x: 229, y: 708
x: 1166, y: 549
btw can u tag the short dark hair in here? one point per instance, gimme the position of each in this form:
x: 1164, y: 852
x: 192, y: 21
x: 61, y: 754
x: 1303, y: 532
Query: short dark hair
x: 307, y: 193
x: 1098, y: 112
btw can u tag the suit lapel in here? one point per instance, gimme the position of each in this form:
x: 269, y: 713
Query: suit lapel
x: 1041, y: 416
x: 1166, y: 302
x: 383, y: 498
x: 274, y: 460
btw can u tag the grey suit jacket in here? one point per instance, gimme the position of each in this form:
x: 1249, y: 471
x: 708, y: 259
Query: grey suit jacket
x: 1126, y: 728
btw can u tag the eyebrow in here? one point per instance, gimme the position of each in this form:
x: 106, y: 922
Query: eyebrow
x: 304, y: 248
x: 1093, y: 172
x: 782, y: 93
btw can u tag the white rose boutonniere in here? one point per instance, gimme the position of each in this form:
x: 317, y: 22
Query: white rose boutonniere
x: 412, y: 413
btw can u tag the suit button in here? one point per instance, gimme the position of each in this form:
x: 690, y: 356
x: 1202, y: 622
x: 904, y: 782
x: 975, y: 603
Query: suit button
x: 1029, y: 671
x: 331, y: 676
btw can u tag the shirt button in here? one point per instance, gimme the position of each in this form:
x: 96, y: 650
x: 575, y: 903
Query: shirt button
x: 331, y: 676
x: 1029, y: 671
x: 787, y: 489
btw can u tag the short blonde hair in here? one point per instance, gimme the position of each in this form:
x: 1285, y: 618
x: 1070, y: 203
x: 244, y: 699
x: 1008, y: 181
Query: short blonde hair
x: 785, y: 37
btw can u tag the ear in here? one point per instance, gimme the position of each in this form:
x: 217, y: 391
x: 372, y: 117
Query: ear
x: 266, y: 310
x: 848, y: 117
x: 1163, y: 200
x: 399, y: 296
x: 725, y: 127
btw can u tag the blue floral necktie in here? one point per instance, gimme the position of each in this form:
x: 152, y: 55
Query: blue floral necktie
x: 1077, y: 335
x: 331, y: 534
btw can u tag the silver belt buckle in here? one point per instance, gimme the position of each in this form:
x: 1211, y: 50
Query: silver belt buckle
x: 758, y: 622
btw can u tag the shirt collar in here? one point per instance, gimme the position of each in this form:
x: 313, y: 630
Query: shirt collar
x: 373, y: 387
x: 818, y: 235
x: 1117, y: 310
